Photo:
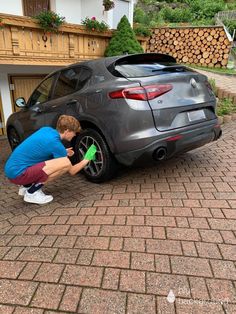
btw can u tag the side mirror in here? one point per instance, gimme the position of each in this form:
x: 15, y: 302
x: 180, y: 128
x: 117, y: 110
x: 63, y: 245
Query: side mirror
x: 20, y: 102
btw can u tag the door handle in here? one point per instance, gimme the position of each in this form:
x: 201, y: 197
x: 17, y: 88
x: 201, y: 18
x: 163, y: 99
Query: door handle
x: 37, y: 109
x: 72, y: 102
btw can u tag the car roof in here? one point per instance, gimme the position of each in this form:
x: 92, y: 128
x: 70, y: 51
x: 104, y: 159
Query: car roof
x: 108, y: 61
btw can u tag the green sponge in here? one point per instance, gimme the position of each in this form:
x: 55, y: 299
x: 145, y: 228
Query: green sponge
x: 90, y: 154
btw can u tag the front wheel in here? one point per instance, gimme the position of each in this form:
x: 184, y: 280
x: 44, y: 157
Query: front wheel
x: 104, y: 166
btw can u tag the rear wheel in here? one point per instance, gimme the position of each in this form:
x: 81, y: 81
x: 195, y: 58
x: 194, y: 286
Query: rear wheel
x: 104, y: 166
x: 13, y: 138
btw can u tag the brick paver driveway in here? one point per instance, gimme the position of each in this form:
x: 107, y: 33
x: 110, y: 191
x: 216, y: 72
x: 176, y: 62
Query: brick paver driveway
x: 121, y: 247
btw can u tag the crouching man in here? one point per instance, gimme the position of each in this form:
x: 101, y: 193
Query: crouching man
x: 42, y: 158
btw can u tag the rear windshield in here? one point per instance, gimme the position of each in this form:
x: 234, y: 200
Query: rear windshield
x: 144, y: 65
x: 147, y: 69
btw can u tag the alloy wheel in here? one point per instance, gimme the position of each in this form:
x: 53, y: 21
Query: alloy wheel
x: 94, y: 167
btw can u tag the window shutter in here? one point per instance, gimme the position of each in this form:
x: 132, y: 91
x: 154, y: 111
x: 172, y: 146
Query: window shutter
x: 34, y: 7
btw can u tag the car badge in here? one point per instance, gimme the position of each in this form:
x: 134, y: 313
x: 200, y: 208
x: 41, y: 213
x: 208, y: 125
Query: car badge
x: 193, y: 83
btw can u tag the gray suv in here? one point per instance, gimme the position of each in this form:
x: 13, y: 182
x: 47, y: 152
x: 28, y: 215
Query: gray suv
x: 134, y: 108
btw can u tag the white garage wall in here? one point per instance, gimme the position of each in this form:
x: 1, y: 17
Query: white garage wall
x: 122, y: 8
x: 71, y: 10
x: 92, y: 8
x: 11, y: 7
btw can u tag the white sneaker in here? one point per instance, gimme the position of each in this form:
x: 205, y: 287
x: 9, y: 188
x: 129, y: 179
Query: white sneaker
x: 37, y: 197
x: 43, y: 194
x: 22, y: 190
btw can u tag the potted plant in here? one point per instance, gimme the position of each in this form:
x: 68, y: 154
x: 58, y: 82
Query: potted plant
x: 1, y: 23
x: 94, y: 25
x: 49, y: 21
x: 108, y: 5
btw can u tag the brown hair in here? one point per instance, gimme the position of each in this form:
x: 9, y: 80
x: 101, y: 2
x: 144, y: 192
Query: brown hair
x: 68, y: 123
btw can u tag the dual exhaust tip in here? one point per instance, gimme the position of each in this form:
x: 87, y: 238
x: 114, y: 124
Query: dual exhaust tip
x: 160, y: 154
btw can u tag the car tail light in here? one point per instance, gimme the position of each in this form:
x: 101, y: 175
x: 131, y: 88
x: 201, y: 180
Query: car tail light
x: 141, y: 93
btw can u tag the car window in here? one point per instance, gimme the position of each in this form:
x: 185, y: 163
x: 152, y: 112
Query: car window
x: 70, y: 81
x: 42, y: 92
x: 147, y: 69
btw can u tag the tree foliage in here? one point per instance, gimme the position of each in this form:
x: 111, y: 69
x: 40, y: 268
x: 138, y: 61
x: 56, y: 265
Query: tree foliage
x: 153, y: 12
x: 123, y: 40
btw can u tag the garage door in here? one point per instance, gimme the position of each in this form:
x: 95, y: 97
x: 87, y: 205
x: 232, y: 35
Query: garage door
x: 1, y: 118
x: 23, y: 86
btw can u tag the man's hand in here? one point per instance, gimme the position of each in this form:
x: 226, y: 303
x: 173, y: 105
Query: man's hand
x: 70, y: 152
x: 90, y: 154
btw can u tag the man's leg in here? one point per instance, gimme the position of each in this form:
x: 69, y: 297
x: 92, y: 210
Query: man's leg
x: 55, y: 168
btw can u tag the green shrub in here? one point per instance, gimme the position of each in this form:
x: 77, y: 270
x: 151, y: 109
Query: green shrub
x: 140, y: 16
x: 213, y: 85
x: 123, y: 40
x: 177, y: 15
x: 204, y: 9
x: 231, y: 25
x: 225, y: 106
x: 142, y: 31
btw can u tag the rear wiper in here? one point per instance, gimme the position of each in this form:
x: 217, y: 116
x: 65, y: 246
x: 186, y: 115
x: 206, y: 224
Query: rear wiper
x: 179, y: 68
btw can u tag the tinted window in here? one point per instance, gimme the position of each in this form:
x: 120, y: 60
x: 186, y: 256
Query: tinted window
x: 147, y: 69
x: 41, y: 94
x: 70, y: 81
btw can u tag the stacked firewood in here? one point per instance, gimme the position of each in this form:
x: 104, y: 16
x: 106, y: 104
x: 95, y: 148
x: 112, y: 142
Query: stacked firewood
x: 206, y: 46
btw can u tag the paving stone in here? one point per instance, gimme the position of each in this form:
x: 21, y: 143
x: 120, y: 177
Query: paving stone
x: 183, y: 234
x: 16, y: 292
x: 132, y: 280
x: 10, y: 269
x: 164, y: 247
x: 111, y: 279
x: 143, y: 261
x: 102, y: 301
x: 49, y: 272
x: 82, y: 276
x: 185, y: 306
x: 141, y: 303
x: 5, y: 309
x: 161, y: 284
x: 48, y: 296
x: 191, y: 266
x: 146, y: 232
x: 111, y: 259
x: 70, y: 299
x: 34, y: 254
x: 223, y: 269
x: 92, y: 243
x: 221, y: 290
x: 209, y: 250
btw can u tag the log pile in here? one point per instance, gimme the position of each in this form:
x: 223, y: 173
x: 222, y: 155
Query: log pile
x: 205, y: 46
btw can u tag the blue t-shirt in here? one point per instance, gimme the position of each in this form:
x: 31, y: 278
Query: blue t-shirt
x: 44, y: 144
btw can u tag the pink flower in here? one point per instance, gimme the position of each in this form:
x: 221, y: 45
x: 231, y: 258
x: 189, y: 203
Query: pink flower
x: 93, y: 18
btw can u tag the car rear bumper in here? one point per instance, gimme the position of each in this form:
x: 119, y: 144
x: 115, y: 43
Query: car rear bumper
x: 181, y: 141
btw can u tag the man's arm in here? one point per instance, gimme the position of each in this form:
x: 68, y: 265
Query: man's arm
x: 90, y: 155
x: 77, y: 167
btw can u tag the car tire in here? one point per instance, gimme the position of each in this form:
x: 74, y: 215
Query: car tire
x: 13, y: 138
x: 104, y: 167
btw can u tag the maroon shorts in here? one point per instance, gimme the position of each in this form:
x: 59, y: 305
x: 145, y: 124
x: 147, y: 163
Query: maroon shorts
x: 33, y: 174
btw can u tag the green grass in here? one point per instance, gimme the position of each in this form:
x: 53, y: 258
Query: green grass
x: 225, y: 106
x: 214, y: 70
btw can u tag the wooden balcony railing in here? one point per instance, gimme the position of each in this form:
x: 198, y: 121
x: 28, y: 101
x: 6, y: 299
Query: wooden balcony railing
x: 22, y: 41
